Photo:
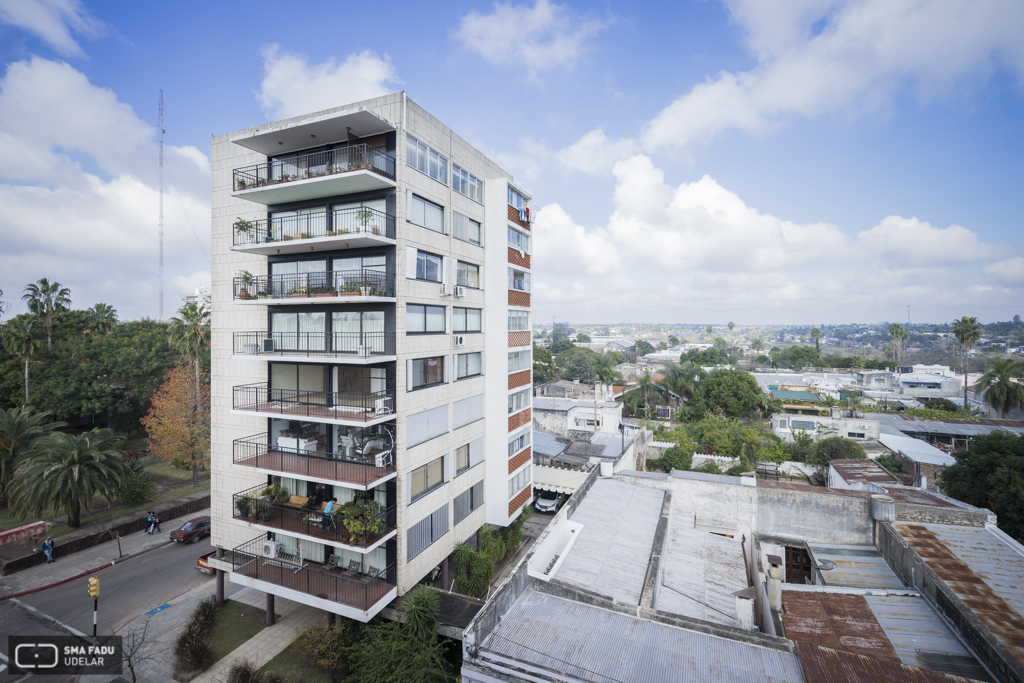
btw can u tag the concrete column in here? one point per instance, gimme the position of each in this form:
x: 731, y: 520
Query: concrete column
x: 444, y: 573
x: 220, y: 580
x: 330, y: 620
x: 270, y: 609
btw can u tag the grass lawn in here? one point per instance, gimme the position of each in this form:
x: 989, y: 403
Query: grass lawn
x: 292, y: 666
x: 154, y: 466
x: 236, y: 622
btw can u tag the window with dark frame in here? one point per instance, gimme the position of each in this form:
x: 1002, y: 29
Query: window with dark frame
x: 427, y: 372
x: 428, y: 266
x: 466, y: 319
x: 427, y: 478
x: 423, y: 319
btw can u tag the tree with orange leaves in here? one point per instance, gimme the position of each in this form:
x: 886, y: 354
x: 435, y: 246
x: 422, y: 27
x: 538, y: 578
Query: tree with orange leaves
x: 178, y: 423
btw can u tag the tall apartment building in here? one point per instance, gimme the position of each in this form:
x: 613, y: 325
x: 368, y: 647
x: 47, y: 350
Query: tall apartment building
x: 371, y: 345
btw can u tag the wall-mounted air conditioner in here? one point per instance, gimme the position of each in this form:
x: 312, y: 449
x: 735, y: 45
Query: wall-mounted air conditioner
x: 446, y: 289
x: 460, y: 290
x: 271, y: 549
x: 459, y: 340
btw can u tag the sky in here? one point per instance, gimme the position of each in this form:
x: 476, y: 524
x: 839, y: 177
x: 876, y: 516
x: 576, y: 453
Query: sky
x: 799, y: 162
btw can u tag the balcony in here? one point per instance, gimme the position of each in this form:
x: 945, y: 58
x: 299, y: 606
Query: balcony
x: 362, y: 529
x: 342, y: 228
x: 331, y: 286
x: 355, y: 594
x: 358, y: 168
x: 355, y: 347
x: 346, y: 408
x: 349, y: 468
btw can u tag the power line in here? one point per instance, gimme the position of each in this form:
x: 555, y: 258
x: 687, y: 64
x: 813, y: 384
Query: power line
x: 545, y: 654
x: 675, y: 590
x: 160, y: 124
x: 175, y: 185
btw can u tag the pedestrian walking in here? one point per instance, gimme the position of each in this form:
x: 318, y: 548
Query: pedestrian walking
x: 48, y: 550
x: 156, y: 523
x: 149, y: 523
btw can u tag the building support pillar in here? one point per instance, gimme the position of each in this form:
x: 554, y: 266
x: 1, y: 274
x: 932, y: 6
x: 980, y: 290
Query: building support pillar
x: 270, y: 609
x: 330, y: 619
x: 220, y: 580
x: 444, y: 573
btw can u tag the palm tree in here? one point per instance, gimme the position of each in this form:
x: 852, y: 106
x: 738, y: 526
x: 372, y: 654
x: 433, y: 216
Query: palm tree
x: 816, y: 336
x: 190, y: 334
x: 757, y: 345
x: 605, y: 368
x: 682, y: 379
x: 21, y: 434
x: 21, y: 338
x: 102, y: 318
x: 44, y: 299
x: 3, y: 304
x: 768, y: 405
x: 900, y: 335
x: 967, y: 331
x: 731, y: 325
x: 708, y: 330
x: 645, y: 391
x: 1004, y: 393
x: 68, y: 472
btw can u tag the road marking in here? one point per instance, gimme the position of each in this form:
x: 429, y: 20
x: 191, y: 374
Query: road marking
x: 161, y: 608
x: 44, y: 615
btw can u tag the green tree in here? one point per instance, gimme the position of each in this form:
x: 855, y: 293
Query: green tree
x: 682, y: 379
x: 757, y: 345
x: 991, y: 476
x: 190, y: 334
x: 102, y: 318
x: 44, y: 299
x: 678, y: 457
x: 731, y: 325
x: 967, y: 331
x: 419, y: 613
x: 816, y: 336
x: 604, y: 367
x: 543, y: 365
x: 387, y: 652
x: 68, y: 471
x: 22, y: 432
x: 582, y: 338
x: 900, y: 336
x: 644, y: 347
x: 644, y: 396
x: 1003, y: 390
x: 836, y: 448
x: 580, y: 367
x: 672, y: 339
x: 708, y: 331
x: 734, y: 392
x: 802, y: 447
x: 3, y: 304
x: 22, y: 338
x: 561, y: 345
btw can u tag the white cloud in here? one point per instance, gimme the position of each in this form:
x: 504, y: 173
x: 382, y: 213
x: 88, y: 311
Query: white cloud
x: 78, y: 183
x: 544, y: 37
x: 52, y: 20
x: 915, y: 243
x: 594, y: 153
x: 1010, y: 271
x: 292, y: 86
x: 865, y: 51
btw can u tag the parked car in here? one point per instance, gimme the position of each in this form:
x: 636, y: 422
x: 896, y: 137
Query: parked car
x: 548, y: 501
x: 192, y: 530
x: 202, y: 564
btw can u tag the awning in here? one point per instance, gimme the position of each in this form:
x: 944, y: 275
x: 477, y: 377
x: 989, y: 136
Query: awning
x: 557, y: 480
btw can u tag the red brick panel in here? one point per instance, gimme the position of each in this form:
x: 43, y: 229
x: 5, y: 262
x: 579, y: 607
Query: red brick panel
x: 518, y: 420
x: 518, y: 379
x: 518, y: 461
x: 513, y: 215
x: 518, y: 338
x: 517, y: 298
x: 516, y: 260
x: 519, y: 500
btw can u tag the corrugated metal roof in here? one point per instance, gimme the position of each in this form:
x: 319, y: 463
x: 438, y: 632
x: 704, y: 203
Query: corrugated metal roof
x: 921, y: 425
x: 983, y: 570
x: 557, y: 479
x: 700, y: 573
x: 826, y: 665
x: 862, y: 470
x: 916, y: 450
x: 837, y: 620
x: 546, y: 444
x: 611, y: 553
x: 857, y: 566
x: 795, y: 395
x: 592, y: 644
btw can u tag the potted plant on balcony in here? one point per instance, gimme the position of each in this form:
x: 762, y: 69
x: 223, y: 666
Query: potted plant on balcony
x: 240, y: 182
x: 349, y: 289
x: 322, y: 290
x: 247, y: 278
x: 365, y: 521
x: 244, y: 227
x: 244, y: 506
x: 364, y: 216
x: 298, y: 293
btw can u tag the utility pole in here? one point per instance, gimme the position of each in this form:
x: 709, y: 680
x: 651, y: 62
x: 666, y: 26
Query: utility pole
x: 94, y: 593
x: 160, y: 124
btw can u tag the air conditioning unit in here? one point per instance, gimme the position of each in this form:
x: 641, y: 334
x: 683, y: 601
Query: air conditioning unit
x: 446, y: 289
x: 460, y: 290
x: 459, y: 340
x: 363, y: 351
x: 268, y: 346
x: 271, y: 549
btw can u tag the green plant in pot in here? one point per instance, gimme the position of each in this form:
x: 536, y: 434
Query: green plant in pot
x: 368, y: 521
x: 242, y: 226
x: 243, y: 505
x: 247, y: 279
x: 363, y: 216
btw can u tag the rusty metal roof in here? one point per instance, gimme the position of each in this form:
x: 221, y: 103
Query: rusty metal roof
x: 863, y: 469
x: 982, y: 569
x: 837, y: 620
x: 827, y: 665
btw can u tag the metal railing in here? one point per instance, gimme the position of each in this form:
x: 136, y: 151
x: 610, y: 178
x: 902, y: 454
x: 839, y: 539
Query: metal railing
x: 356, y: 344
x: 359, y: 531
x: 355, y: 589
x: 325, y: 283
x: 352, y: 406
x: 348, y: 222
x: 343, y: 466
x: 315, y: 165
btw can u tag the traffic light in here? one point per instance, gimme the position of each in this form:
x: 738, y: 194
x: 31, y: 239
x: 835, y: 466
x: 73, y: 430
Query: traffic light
x: 94, y: 587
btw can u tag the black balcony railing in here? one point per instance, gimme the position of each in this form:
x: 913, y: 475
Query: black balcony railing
x: 325, y: 283
x: 357, y: 529
x: 351, y: 406
x: 354, y: 344
x: 316, y: 165
x: 361, y: 465
x: 360, y: 589
x: 348, y: 222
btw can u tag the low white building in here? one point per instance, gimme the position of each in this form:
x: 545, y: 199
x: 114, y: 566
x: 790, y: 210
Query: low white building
x: 564, y: 415
x: 855, y: 428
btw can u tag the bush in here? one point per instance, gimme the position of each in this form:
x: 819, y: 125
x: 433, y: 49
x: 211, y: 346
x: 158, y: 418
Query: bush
x: 137, y: 487
x: 192, y: 651
x: 242, y: 671
x: 328, y: 646
x: 837, y: 448
x: 889, y: 462
x: 675, y: 458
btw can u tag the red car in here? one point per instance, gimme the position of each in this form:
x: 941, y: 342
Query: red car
x: 192, y: 530
x: 202, y: 564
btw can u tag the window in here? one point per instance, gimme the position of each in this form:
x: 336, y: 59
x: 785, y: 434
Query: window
x: 468, y: 365
x: 467, y: 275
x: 855, y: 435
x: 425, y: 160
x: 518, y: 280
x: 518, y: 240
x: 516, y: 199
x: 468, y: 184
x: 426, y: 214
x: 378, y: 263
x: 420, y: 319
x: 466, y: 229
x: 590, y: 423
x: 783, y: 424
x: 806, y: 425
x: 469, y: 500
x: 427, y: 372
x: 466, y: 319
x: 518, y: 320
x: 300, y: 224
x: 518, y: 401
x: 426, y: 531
x: 427, y: 478
x: 298, y: 331
x: 518, y: 443
x: 520, y: 360
x: 428, y: 267
x: 462, y: 458
x: 518, y: 482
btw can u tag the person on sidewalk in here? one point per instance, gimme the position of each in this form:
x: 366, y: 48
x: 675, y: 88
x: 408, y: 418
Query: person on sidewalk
x: 149, y: 522
x: 156, y: 523
x: 48, y: 550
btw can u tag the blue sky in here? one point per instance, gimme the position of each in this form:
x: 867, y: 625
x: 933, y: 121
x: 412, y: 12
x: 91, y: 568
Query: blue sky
x: 815, y: 161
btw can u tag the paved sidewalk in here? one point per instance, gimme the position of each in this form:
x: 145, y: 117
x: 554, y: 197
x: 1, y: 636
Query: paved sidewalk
x: 90, y: 558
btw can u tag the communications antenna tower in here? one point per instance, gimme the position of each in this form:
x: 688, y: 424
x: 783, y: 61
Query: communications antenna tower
x: 161, y: 228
